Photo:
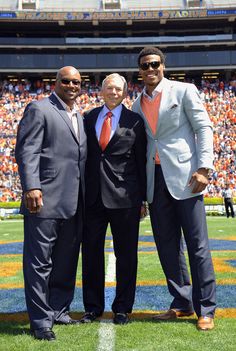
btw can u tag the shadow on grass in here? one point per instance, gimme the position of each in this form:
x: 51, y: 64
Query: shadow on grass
x: 14, y: 323
x: 14, y: 329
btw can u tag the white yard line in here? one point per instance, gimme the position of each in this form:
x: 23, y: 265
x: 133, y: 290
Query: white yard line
x: 106, y: 332
x: 106, y: 336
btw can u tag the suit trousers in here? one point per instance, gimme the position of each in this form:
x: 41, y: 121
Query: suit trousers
x: 50, y: 257
x: 229, y: 207
x: 124, y: 223
x: 170, y: 218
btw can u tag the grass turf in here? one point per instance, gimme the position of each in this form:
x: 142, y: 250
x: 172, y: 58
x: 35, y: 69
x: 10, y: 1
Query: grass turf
x: 142, y: 334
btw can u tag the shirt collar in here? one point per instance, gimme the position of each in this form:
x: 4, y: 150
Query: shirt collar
x: 115, y: 112
x: 65, y: 106
x: 156, y: 91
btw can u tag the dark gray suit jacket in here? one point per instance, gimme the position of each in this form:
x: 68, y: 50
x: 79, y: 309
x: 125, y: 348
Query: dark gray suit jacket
x: 50, y: 157
x: 118, y: 173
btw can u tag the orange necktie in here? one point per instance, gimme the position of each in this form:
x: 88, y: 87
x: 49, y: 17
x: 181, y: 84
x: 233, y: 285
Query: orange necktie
x: 106, y: 131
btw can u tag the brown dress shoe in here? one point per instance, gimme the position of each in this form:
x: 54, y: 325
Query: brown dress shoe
x: 172, y: 314
x: 205, y: 323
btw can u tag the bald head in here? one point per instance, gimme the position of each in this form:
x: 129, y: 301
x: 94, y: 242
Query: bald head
x: 68, y: 83
x: 66, y: 70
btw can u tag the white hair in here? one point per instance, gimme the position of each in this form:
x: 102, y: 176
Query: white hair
x: 113, y: 76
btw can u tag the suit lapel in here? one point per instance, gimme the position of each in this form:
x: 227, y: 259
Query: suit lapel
x: 93, y: 122
x: 166, y: 100
x: 60, y: 110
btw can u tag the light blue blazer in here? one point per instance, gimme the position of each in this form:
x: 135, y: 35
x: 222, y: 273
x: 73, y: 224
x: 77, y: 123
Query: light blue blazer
x: 183, y: 140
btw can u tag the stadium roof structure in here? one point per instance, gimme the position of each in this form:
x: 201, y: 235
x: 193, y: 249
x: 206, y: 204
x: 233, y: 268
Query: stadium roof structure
x: 106, y: 35
x: 107, y: 10
x: 97, y: 5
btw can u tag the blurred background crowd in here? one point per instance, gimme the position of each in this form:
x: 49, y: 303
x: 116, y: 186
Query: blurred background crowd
x: 218, y: 97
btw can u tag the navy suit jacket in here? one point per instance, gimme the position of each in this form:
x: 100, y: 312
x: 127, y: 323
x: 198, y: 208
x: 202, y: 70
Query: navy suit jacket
x: 118, y: 173
x: 50, y: 157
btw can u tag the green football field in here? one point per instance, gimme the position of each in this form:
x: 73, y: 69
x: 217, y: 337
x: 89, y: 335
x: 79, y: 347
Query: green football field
x: 142, y: 334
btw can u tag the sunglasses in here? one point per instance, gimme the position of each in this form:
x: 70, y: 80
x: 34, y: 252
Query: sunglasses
x: 67, y: 82
x: 154, y: 64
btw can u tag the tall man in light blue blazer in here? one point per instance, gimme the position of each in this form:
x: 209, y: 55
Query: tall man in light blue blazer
x: 179, y: 157
x: 51, y: 153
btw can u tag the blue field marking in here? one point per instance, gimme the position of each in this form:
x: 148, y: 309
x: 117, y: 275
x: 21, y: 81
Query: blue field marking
x: 231, y: 262
x: 221, y: 245
x: 146, y: 238
x: 215, y: 244
x: 11, y: 248
x: 153, y: 298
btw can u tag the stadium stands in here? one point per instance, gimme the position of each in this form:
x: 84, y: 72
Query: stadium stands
x: 38, y: 41
x: 218, y: 97
x: 44, y: 35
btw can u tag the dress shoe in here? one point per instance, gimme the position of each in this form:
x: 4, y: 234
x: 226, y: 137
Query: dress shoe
x: 66, y: 321
x: 172, y: 314
x: 121, y: 318
x: 205, y: 323
x: 88, y: 317
x: 44, y: 334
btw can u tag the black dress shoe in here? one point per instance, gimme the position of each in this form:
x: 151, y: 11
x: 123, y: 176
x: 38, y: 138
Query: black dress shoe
x: 44, y: 334
x: 88, y: 317
x: 121, y: 318
x: 66, y: 321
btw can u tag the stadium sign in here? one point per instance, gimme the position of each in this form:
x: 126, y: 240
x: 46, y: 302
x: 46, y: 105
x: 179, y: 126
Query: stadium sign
x: 114, y: 15
x: 106, y: 15
x: 220, y: 12
x: 7, y: 15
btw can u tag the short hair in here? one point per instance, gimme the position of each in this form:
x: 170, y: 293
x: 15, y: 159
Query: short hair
x: 151, y: 50
x: 115, y: 75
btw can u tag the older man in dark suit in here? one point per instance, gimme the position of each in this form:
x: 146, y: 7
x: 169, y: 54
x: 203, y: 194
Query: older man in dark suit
x: 115, y: 189
x: 51, y: 154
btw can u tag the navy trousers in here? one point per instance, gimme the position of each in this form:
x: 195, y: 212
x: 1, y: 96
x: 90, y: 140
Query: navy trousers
x: 50, y: 257
x: 124, y: 223
x: 170, y: 219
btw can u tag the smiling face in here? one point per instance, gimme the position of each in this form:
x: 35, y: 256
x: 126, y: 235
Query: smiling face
x: 151, y: 76
x: 113, y: 92
x: 68, y: 84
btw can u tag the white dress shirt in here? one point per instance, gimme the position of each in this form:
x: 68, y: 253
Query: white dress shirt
x: 72, y: 114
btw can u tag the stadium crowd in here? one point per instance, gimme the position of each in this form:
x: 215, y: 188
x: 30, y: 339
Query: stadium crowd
x: 219, y: 99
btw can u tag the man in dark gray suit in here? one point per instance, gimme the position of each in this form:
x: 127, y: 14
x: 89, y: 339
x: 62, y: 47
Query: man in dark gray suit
x: 51, y: 154
x: 115, y: 187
